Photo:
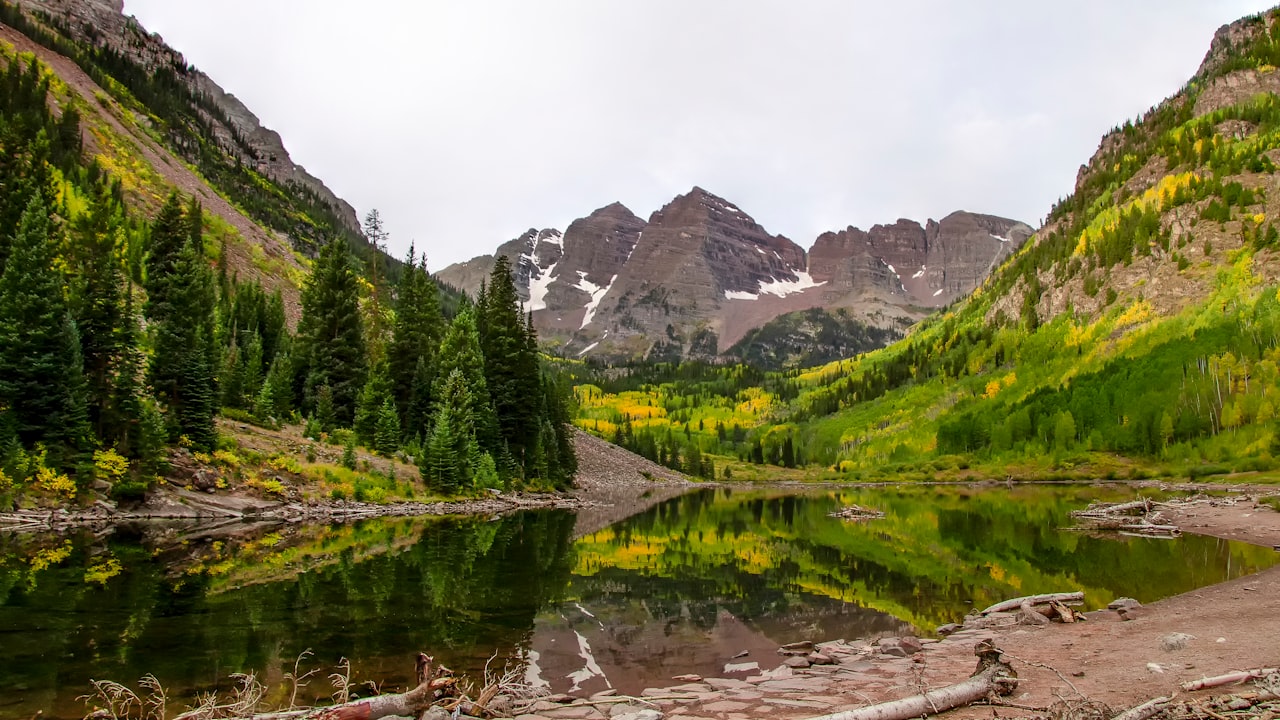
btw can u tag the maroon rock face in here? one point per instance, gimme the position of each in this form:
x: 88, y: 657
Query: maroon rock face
x: 701, y: 273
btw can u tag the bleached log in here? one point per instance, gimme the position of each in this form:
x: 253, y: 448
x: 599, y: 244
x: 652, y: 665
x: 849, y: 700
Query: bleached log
x: 1122, y: 508
x: 1229, y: 678
x: 1016, y: 603
x: 993, y: 677
x: 1145, y: 710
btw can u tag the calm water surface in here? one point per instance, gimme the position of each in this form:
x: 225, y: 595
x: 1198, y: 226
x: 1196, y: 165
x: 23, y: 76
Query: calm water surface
x: 682, y: 587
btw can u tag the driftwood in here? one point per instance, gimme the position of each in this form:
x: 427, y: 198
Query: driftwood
x: 857, y: 512
x: 1138, y: 517
x: 993, y: 677
x: 1146, y: 710
x: 1228, y: 679
x: 1015, y: 603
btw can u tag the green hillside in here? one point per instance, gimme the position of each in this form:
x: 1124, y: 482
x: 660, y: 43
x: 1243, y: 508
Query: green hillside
x: 1136, y: 332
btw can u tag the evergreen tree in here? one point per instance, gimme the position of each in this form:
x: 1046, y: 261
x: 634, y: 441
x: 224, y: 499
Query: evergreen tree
x: 180, y: 305
x: 460, y: 352
x: 452, y: 454
x: 418, y: 329
x: 41, y: 376
x: 331, y: 333
x: 376, y: 392
x: 387, y: 435
x: 98, y: 295
x: 510, y: 366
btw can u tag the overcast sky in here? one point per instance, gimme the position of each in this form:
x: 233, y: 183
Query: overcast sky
x: 467, y: 122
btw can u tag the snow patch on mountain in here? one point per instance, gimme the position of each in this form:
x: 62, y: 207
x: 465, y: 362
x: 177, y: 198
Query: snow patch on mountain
x: 597, y: 293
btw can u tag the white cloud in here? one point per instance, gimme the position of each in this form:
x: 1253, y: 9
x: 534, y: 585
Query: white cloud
x: 467, y: 123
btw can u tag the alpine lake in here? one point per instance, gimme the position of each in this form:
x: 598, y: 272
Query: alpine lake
x: 682, y: 587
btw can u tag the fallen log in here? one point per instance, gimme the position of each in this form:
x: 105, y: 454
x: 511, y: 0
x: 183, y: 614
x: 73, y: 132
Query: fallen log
x: 1228, y: 679
x: 1016, y: 603
x: 857, y: 512
x: 1062, y: 611
x: 1105, y: 510
x: 1145, y: 710
x: 994, y: 677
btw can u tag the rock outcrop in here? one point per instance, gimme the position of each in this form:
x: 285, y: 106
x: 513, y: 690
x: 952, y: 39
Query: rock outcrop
x: 239, y: 132
x: 701, y: 275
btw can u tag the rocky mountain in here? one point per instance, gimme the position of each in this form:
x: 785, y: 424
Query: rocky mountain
x: 701, y: 275
x: 238, y: 132
x: 158, y: 124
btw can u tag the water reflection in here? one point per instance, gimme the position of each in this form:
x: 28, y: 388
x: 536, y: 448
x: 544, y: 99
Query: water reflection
x: 683, y: 587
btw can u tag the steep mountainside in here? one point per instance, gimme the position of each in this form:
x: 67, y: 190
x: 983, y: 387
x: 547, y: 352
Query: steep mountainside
x: 160, y: 124
x: 1137, y: 332
x: 1142, y: 319
x: 701, y: 275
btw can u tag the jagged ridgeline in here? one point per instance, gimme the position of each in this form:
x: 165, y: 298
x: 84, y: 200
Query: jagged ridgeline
x: 127, y: 325
x: 1137, y: 331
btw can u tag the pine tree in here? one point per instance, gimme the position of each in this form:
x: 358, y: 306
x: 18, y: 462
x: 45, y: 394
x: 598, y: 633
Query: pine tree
x: 460, y: 352
x: 180, y: 304
x: 41, y: 376
x: 418, y: 329
x: 98, y: 307
x: 510, y: 366
x: 387, y: 435
x: 376, y: 392
x: 331, y: 332
x: 452, y: 452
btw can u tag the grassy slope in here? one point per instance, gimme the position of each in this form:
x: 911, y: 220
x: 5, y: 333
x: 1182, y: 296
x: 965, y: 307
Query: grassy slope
x: 1136, y: 333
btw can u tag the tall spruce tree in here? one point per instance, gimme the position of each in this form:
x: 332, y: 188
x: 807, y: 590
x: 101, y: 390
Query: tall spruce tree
x: 331, y: 333
x: 460, y: 353
x: 416, y: 335
x: 180, y: 305
x: 98, y: 302
x: 452, y: 454
x: 509, y: 363
x: 41, y: 376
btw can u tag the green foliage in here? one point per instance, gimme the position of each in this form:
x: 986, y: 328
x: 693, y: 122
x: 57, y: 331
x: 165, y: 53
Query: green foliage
x: 349, y: 455
x: 41, y: 380
x: 331, y: 335
x: 387, y: 430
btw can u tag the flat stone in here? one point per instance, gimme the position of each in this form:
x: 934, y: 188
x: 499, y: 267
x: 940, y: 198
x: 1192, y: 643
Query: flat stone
x: 642, y: 714
x: 893, y: 650
x: 688, y: 678
x: 743, y: 694
x: 1123, y: 602
x: 690, y: 688
x: 948, y: 629
x: 821, y: 659
x: 802, y: 645
x: 795, y: 661
x: 529, y: 716
x: 727, y: 683
x: 807, y: 704
x: 741, y: 667
x: 795, y: 685
x: 1133, y: 613
x: 625, y: 709
x: 604, y: 694
x: 856, y: 664
x: 575, y: 712
x: 725, y: 706
x: 911, y: 644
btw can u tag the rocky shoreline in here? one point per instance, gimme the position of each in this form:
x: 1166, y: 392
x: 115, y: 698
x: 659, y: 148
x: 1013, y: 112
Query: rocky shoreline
x: 1111, y: 659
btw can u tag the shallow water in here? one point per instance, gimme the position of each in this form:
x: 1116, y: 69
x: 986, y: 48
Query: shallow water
x: 682, y: 587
